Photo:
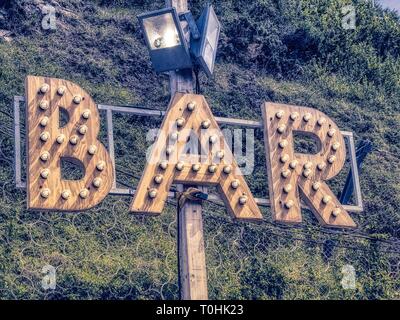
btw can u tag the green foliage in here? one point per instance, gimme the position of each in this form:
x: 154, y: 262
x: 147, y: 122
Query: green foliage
x: 283, y: 51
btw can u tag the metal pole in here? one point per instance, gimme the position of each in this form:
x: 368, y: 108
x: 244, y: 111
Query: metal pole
x: 191, y: 250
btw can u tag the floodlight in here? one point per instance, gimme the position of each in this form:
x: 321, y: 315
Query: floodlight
x: 165, y: 40
x: 204, y: 49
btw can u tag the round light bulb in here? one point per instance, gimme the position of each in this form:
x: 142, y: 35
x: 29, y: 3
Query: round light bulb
x: 307, y: 173
x: 326, y: 199
x: 97, y: 182
x: 86, y: 114
x: 77, y: 99
x: 180, y: 122
x: 284, y: 158
x: 336, y: 146
x: 321, y: 166
x: 235, y: 184
x: 179, y: 166
x: 163, y: 165
x: 169, y: 150
x: 100, y: 165
x: 294, y: 116
x: 44, y: 121
x: 44, y: 136
x: 206, y: 124
x: 279, y: 114
x: 65, y: 194
x: 281, y: 129
x: 283, y: 144
x: 285, y: 173
x: 213, y: 139
x: 316, y: 186
x: 287, y: 188
x: 307, y: 117
x: 321, y: 121
x: 92, y: 150
x: 227, y: 169
x: 336, y: 212
x: 174, y: 136
x: 289, y: 204
x: 196, y: 167
x: 212, y: 168
x: 308, y: 165
x: 84, y: 193
x: 158, y: 179
x: 331, y: 132
x: 44, y: 88
x: 191, y: 106
x: 45, y: 173
x: 83, y: 129
x: 152, y: 193
x: 243, y: 200
x: 331, y: 159
x: 73, y: 140
x: 60, y: 138
x: 45, y: 156
x: 61, y: 90
x: 44, y: 105
x: 220, y: 154
x: 45, y: 193
x: 293, y: 164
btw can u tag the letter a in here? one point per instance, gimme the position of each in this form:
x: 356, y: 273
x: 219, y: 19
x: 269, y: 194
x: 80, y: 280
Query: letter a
x: 188, y: 114
x: 48, y: 144
x: 290, y: 173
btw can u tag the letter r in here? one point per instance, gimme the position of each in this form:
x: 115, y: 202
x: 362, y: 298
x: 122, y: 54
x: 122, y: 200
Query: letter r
x: 293, y: 174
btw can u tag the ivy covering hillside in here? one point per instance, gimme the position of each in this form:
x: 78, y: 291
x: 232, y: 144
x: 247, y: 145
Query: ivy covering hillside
x: 287, y: 51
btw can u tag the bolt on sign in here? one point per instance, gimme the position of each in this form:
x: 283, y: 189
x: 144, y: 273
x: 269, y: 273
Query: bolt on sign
x: 290, y: 175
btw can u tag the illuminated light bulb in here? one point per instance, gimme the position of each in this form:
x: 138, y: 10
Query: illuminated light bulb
x: 180, y: 122
x: 227, y: 169
x: 285, y: 173
x: 77, y: 99
x: 213, y: 139
x: 158, y: 42
x: 220, y: 154
x: 60, y: 139
x: 61, y: 91
x: 287, y: 188
x: 331, y: 159
x: 92, y: 150
x: 44, y: 105
x: 293, y: 164
x: 83, y: 129
x: 284, y: 158
x: 191, y: 106
x: 174, y: 136
x: 169, y: 150
x: 152, y: 193
x: 294, y: 116
x: 235, y: 184
x: 212, y: 168
x: 321, y: 166
x: 86, y: 114
x: 336, y: 212
x: 44, y: 121
x: 158, y: 179
x: 283, y: 144
x: 65, y: 194
x: 163, y: 165
x: 307, y: 117
x: 205, y: 124
x: 289, y: 204
x: 44, y: 136
x: 179, y: 166
x: 45, y: 193
x: 326, y: 199
x: 279, y: 114
x: 331, y: 132
x: 45, y: 156
x: 196, y: 167
x: 308, y: 165
x: 44, y: 88
x: 307, y: 173
x: 281, y: 129
x: 100, y: 165
x: 321, y: 121
x: 316, y: 186
x: 97, y: 182
x: 84, y: 193
x: 243, y: 200
x: 73, y: 140
x: 336, y: 146
x: 45, y: 173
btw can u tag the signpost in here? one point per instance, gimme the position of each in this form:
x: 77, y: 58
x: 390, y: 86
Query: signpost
x: 191, y: 255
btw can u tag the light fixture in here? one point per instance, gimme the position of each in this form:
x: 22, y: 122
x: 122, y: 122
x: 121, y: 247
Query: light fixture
x: 204, y: 49
x: 165, y: 40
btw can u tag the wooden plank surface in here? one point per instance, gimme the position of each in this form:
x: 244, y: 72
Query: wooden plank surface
x: 45, y: 187
x: 291, y: 175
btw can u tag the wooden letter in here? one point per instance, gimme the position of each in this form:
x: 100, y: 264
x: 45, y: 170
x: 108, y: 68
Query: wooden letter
x: 290, y: 172
x: 170, y: 162
x: 48, y: 144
